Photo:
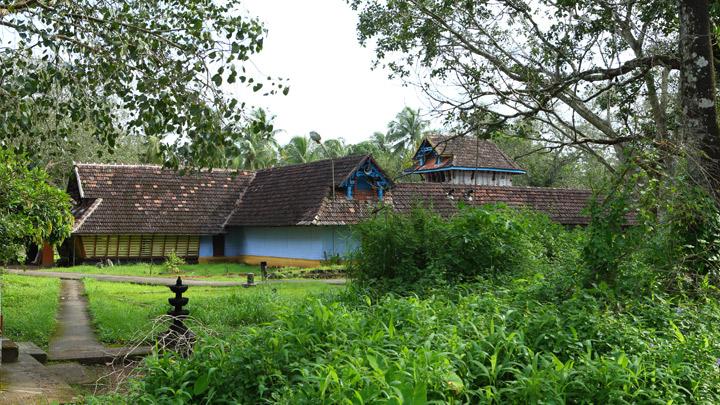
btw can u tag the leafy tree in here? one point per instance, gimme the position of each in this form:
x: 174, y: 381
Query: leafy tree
x: 31, y: 210
x: 406, y: 131
x: 551, y: 167
x: 333, y: 148
x: 142, y: 68
x: 595, y: 73
x: 258, y: 148
x: 300, y: 149
x: 153, y: 151
x: 57, y: 157
x: 698, y: 87
x: 381, y: 142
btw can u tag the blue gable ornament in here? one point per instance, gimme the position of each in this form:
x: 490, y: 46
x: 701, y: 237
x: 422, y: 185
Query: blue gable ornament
x: 366, y: 177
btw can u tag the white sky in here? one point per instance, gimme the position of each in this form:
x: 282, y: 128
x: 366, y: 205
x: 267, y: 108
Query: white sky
x: 332, y: 89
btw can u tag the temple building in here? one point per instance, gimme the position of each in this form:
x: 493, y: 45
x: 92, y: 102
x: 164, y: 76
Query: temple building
x: 463, y: 160
x: 297, y: 215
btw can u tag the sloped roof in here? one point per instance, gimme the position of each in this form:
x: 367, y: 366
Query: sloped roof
x: 292, y: 195
x: 342, y: 211
x: 136, y: 199
x: 564, y: 206
x: 467, y: 151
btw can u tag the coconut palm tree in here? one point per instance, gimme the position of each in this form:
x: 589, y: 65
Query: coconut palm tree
x: 300, y: 149
x: 406, y: 131
x: 381, y: 141
x: 334, y: 148
x: 258, y: 148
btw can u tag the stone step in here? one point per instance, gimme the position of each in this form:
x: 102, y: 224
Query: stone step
x: 9, y: 351
x: 103, y: 355
x: 32, y: 349
x: 27, y: 381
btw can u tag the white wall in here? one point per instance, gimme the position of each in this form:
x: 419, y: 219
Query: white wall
x: 465, y: 177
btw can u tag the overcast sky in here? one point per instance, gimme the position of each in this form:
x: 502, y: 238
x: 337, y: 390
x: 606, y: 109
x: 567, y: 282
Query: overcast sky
x: 332, y: 89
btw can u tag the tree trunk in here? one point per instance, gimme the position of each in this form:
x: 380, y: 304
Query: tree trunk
x: 699, y: 126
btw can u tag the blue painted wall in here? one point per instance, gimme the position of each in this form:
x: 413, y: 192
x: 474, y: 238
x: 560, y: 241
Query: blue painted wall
x: 206, y: 246
x: 297, y: 242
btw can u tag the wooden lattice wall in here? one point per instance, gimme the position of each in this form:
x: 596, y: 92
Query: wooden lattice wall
x: 138, y: 246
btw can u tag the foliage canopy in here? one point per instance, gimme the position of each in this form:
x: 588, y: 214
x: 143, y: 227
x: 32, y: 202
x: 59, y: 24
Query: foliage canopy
x: 31, y: 210
x: 149, y: 68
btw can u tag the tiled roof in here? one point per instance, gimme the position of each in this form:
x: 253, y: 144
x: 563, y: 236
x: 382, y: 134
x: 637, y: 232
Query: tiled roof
x: 136, y: 199
x: 468, y: 151
x: 292, y: 195
x: 564, y: 206
x: 342, y: 211
x: 149, y: 199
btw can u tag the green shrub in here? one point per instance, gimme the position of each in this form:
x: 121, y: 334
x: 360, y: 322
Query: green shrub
x: 609, y: 241
x: 419, y: 251
x: 173, y: 262
x: 674, y: 240
x: 502, y: 346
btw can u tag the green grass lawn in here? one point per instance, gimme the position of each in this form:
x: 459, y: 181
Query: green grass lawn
x: 29, y: 305
x: 124, y: 313
x: 214, y: 271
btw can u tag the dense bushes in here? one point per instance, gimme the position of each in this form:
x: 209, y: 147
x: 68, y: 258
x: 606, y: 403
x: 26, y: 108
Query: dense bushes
x: 515, y: 321
x: 673, y: 243
x: 420, y: 250
x: 501, y: 346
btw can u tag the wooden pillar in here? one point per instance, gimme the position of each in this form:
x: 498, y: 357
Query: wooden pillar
x: 48, y: 255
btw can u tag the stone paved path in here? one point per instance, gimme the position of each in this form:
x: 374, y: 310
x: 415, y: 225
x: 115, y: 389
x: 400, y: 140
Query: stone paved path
x: 155, y: 280
x: 74, y: 333
x: 74, y: 338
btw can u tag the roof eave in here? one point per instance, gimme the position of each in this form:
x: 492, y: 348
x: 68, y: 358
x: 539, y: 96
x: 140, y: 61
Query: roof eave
x: 475, y: 169
x: 79, y: 183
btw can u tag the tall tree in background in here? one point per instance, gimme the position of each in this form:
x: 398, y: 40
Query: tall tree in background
x: 406, y: 131
x: 152, y: 153
x: 257, y: 148
x: 594, y: 73
x: 135, y: 67
x: 333, y: 148
x: 300, y: 149
x: 699, y: 120
x: 381, y: 141
x: 551, y: 167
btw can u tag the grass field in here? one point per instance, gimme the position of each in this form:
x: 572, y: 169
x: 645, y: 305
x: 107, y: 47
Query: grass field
x: 158, y: 270
x: 29, y: 305
x: 210, y: 271
x: 124, y: 313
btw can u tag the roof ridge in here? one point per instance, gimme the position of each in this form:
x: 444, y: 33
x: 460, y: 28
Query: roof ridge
x: 91, y: 209
x: 238, y: 202
x: 154, y: 166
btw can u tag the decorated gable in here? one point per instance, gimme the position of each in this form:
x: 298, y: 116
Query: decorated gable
x: 366, y: 182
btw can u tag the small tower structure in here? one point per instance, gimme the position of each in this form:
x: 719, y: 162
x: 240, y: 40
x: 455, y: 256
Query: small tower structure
x: 463, y: 160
